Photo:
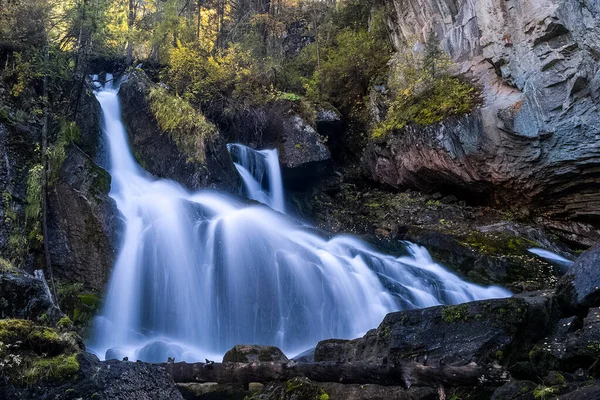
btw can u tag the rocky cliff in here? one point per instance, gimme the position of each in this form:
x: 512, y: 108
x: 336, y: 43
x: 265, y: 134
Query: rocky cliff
x: 534, y: 143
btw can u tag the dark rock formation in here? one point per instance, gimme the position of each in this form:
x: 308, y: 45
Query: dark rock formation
x: 17, y: 154
x: 159, y: 155
x: 483, y: 244
x: 254, y: 353
x: 302, y: 152
x: 580, y: 287
x: 108, y: 380
x: 83, y: 222
x: 537, y: 63
x: 24, y: 296
x: 483, y: 332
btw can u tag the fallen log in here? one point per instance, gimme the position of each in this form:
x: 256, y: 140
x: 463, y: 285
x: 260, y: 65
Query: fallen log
x: 406, y: 375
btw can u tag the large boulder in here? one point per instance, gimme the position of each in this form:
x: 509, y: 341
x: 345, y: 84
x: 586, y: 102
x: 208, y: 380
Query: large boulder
x: 159, y: 154
x: 302, y: 152
x: 254, y: 353
x: 83, y: 222
x: 580, y: 287
x: 483, y: 332
x: 537, y: 64
x: 24, y: 296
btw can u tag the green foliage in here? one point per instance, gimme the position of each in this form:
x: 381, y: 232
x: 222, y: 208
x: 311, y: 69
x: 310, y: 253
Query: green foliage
x: 189, y: 129
x: 459, y: 313
x: 79, y: 305
x: 68, y: 132
x: 424, y: 91
x: 34, y: 194
x: 545, y: 393
x: 62, y: 367
x: 354, y: 61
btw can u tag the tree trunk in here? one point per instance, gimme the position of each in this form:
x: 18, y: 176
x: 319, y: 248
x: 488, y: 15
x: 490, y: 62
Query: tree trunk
x: 406, y: 375
x: 130, y: 21
x: 44, y: 183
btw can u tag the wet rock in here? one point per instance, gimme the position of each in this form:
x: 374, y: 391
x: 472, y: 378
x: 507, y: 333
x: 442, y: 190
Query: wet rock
x: 214, y: 391
x: 580, y: 287
x: 302, y: 152
x: 484, y: 245
x: 108, y: 380
x: 574, y: 344
x: 589, y: 391
x: 23, y: 296
x: 83, y: 222
x: 159, y: 155
x: 537, y: 64
x: 515, y: 390
x: 485, y: 332
x: 254, y: 353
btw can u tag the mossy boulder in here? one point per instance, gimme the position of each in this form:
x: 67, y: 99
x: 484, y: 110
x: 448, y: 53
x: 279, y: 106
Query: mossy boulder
x: 485, y: 332
x: 254, y: 353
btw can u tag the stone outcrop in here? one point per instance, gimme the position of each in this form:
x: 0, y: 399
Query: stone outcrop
x: 482, y: 244
x: 580, y: 287
x: 254, y: 353
x: 483, y: 332
x: 159, y: 155
x: 534, y: 142
x: 24, y: 296
x: 83, y: 222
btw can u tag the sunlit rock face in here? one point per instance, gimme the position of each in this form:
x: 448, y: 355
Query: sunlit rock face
x: 534, y: 143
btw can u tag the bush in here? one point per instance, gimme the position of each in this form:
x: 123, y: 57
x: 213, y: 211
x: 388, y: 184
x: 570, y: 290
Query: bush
x: 424, y: 92
x: 189, y: 129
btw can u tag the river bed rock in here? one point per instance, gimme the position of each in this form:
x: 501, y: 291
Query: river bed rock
x: 580, y: 287
x: 482, y: 244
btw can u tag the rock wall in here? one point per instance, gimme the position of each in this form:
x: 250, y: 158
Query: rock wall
x: 534, y: 144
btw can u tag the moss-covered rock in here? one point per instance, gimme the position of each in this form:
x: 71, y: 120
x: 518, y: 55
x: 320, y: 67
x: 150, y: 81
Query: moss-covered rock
x: 254, y: 353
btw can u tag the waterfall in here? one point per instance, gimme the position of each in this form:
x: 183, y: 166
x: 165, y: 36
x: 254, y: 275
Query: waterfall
x: 260, y: 174
x: 199, y: 272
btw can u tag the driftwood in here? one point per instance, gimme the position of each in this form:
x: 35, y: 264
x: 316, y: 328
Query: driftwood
x: 406, y: 375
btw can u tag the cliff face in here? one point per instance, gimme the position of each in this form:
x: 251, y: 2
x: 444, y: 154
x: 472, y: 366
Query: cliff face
x: 535, y: 142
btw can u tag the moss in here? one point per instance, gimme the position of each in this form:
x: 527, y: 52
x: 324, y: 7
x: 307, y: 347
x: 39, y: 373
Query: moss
x: 61, y: 367
x: 324, y: 396
x: 12, y: 330
x: 293, y: 385
x: 188, y: 128
x: 64, y: 323
x: 544, y: 393
x: 267, y: 354
x: 459, y: 313
x: 101, y: 181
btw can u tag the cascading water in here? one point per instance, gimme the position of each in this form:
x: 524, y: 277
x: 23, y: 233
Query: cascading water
x: 200, y: 272
x: 261, y: 175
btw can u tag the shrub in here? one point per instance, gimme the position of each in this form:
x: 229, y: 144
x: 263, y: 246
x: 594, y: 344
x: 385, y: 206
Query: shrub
x: 189, y: 129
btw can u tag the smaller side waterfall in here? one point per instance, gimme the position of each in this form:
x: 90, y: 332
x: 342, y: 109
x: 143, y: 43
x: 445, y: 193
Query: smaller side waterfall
x: 261, y: 175
x: 547, y: 255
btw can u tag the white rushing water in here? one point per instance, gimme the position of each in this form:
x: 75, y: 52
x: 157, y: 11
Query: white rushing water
x: 261, y: 175
x: 200, y: 272
x: 552, y: 257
